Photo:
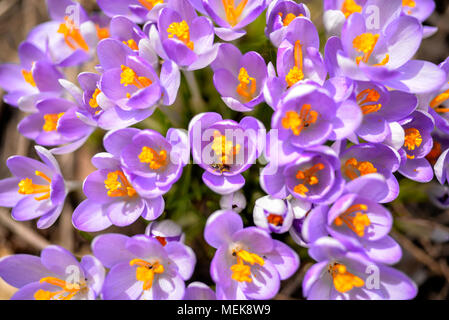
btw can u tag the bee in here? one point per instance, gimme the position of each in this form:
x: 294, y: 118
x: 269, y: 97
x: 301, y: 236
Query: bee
x: 222, y: 167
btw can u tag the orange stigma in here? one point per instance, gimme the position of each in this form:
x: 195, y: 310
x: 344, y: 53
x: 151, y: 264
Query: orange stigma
x: 131, y: 44
x: 72, y: 35
x: 297, y: 122
x: 297, y: 72
x: 349, y: 7
x: 355, y: 219
x: 181, y: 31
x: 102, y: 33
x: 67, y: 292
x: 26, y: 186
x: 232, y: 13
x: 28, y: 76
x: 354, y: 169
x: 241, y: 272
x: 288, y: 18
x: 367, y: 100
x: 153, y: 158
x: 129, y: 77
x: 412, y: 138
x: 247, y: 85
x: 275, y: 219
x: 224, y: 149
x: 365, y: 43
x: 118, y: 185
x: 438, y: 100
x: 51, y: 121
x: 342, y: 279
x: 308, y: 178
x: 149, y: 4
x: 145, y: 271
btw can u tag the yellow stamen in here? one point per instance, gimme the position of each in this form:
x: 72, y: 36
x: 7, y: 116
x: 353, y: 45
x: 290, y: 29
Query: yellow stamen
x: 289, y: 18
x: 367, y: 99
x: 342, y: 279
x: 296, y: 73
x: 129, y: 77
x: 51, y: 121
x: 102, y: 33
x: 349, y: 7
x: 149, y: 4
x: 365, y: 43
x: 297, y: 122
x: 354, y: 169
x: 154, y: 159
x: 408, y: 3
x: 132, y: 44
x: 28, y: 76
x: 438, y: 100
x: 93, y: 101
x: 275, y: 219
x: 412, y: 139
x: 145, y: 271
x: 118, y: 185
x: 72, y: 35
x: 240, y: 271
x: 357, y: 222
x: 67, y: 292
x: 307, y: 177
x: 26, y: 186
x: 181, y: 31
x: 247, y: 85
x: 224, y: 149
x: 233, y: 13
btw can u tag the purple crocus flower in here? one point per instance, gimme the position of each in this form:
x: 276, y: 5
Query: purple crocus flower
x: 341, y: 274
x: 36, y: 190
x: 57, y: 122
x: 225, y: 149
x: 55, y: 275
x: 239, y: 78
x: 141, y: 268
x: 70, y: 37
x: 248, y: 263
x: 311, y: 175
x: 232, y: 17
x: 382, y: 52
x: 366, y: 158
x: 139, y: 11
x: 165, y: 231
x: 199, y: 291
x: 132, y: 85
x: 184, y: 37
x: 420, y: 9
x: 273, y: 215
x: 417, y: 144
x: 280, y: 14
x: 307, y: 116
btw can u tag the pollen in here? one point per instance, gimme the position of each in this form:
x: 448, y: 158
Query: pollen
x: 275, y: 219
x: 247, y: 85
x: 51, y: 121
x: 412, y: 139
x: 72, y: 35
x: 224, y: 149
x: 146, y: 271
x: 288, y: 18
x: 349, y: 7
x: 232, y: 12
x: 307, y: 177
x: 365, y: 44
x: 149, y: 4
x: 131, y: 44
x: 342, y: 279
x: 353, y: 168
x: 26, y: 187
x: 153, y: 158
x: 129, y: 77
x: 355, y: 218
x: 93, y: 101
x: 367, y: 100
x: 181, y: 31
x: 298, y: 122
x: 242, y: 272
x: 102, y: 33
x: 118, y: 185
x: 28, y: 76
x: 408, y: 3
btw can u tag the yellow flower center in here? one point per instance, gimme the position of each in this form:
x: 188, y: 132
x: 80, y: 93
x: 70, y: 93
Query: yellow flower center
x: 72, y: 35
x: 289, y: 18
x: 93, y: 101
x: 412, y: 139
x: 118, y: 185
x: 26, y: 186
x: 145, y: 271
x: 131, y: 44
x: 349, y: 7
x: 181, y: 31
x: 296, y: 73
x: 438, y: 100
x: 342, y: 279
x: 224, y: 149
x: 130, y: 77
x: 354, y: 169
x: 67, y: 292
x: 275, y: 219
x: 355, y: 219
x: 408, y: 3
x: 308, y: 178
x: 154, y: 159
x: 367, y: 99
x: 247, y: 85
x: 233, y: 13
x: 102, y: 33
x: 51, y: 121
x: 242, y: 272
x: 297, y: 122
x: 149, y: 4
x: 365, y: 44
x: 28, y: 76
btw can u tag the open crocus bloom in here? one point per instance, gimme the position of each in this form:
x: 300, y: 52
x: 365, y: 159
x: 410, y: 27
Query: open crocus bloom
x: 382, y: 52
x: 239, y: 78
x: 55, y: 275
x: 341, y: 274
x: 233, y: 15
x: 142, y: 268
x: 248, y: 264
x: 273, y: 215
x: 280, y: 14
x: 225, y: 149
x: 36, y: 190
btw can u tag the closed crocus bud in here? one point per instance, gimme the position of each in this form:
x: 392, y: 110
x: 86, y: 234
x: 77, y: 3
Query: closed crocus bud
x: 165, y: 231
x: 273, y: 215
x: 234, y: 201
x: 439, y: 195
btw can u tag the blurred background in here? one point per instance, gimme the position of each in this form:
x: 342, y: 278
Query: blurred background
x: 421, y: 228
